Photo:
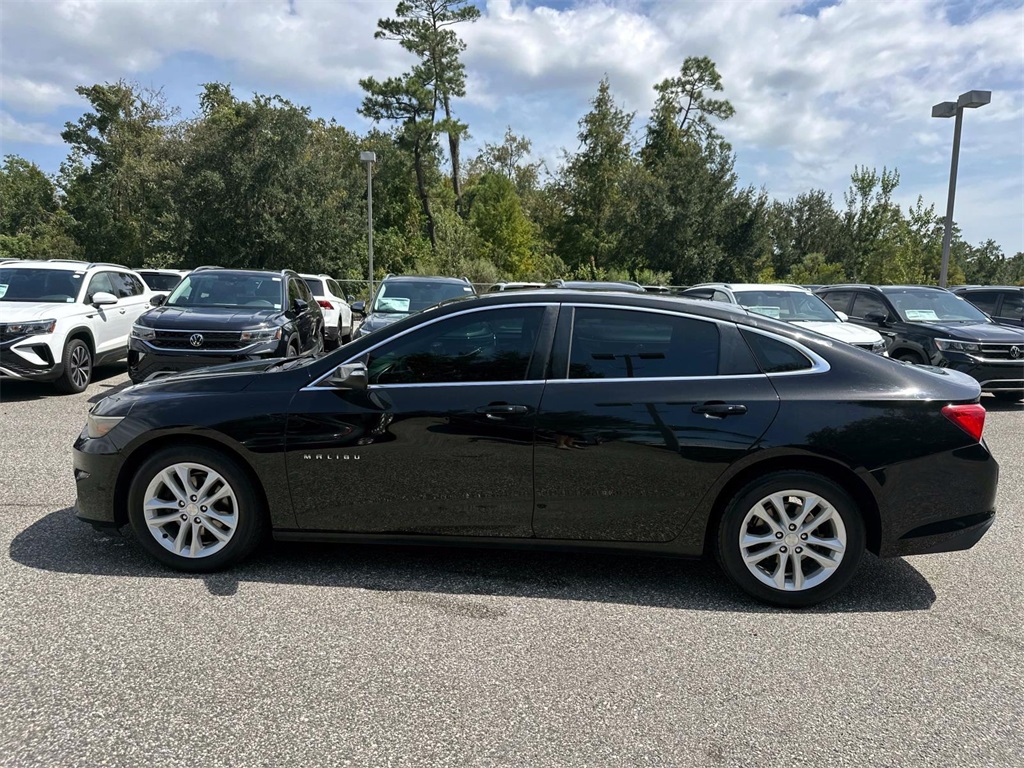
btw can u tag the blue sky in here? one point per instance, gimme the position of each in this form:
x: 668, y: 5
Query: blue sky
x: 819, y: 87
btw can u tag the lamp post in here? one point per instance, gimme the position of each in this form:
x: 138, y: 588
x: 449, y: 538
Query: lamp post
x: 369, y: 158
x: 969, y: 100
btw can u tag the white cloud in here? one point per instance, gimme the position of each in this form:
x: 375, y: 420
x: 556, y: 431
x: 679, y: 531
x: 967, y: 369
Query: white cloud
x: 14, y: 130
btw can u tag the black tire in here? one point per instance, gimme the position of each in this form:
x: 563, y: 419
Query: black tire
x: 250, y: 515
x: 77, y: 371
x: 910, y: 357
x: 730, y: 554
x: 1008, y: 397
x: 346, y: 338
x: 293, y: 349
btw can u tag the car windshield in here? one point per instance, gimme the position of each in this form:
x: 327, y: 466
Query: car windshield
x: 57, y: 286
x: 159, y: 281
x: 787, y: 305
x: 227, y: 289
x: 932, y: 306
x: 407, y: 296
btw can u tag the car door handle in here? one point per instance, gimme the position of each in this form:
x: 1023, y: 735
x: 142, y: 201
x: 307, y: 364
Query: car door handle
x: 498, y: 411
x: 124, y: 311
x: 720, y: 410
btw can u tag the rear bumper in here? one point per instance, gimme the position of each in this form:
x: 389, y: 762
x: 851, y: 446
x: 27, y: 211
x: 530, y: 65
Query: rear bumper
x: 938, y: 503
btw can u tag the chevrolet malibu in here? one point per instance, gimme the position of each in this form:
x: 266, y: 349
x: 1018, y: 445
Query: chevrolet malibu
x: 557, y: 420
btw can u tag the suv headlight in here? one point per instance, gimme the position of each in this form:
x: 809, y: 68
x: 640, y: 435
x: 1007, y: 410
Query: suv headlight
x: 142, y: 332
x: 98, y: 426
x: 878, y: 347
x: 31, y: 328
x: 952, y: 345
x: 261, y: 334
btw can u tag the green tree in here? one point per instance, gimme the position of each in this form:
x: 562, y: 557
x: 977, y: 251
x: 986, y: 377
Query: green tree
x: 816, y: 269
x: 120, y: 174
x: 506, y: 236
x: 33, y: 225
x: 591, y: 186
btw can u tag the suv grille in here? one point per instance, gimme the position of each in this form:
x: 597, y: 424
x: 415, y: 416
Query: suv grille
x: 994, y: 351
x: 211, y: 340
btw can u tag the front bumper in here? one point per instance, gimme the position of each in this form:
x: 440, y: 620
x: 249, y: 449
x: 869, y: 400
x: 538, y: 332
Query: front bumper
x: 96, y: 465
x: 999, y: 376
x: 19, y: 366
x: 144, y: 361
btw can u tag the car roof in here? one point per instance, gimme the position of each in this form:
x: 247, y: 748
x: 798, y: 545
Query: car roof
x: 64, y: 264
x: 432, y: 278
x: 959, y: 288
x: 742, y: 287
x: 245, y: 272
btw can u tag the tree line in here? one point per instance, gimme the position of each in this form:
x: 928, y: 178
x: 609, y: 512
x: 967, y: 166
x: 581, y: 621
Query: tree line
x: 259, y: 182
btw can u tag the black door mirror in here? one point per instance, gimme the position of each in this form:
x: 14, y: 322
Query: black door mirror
x: 876, y: 317
x: 359, y: 308
x: 158, y: 299
x: 351, y: 376
x: 299, y: 305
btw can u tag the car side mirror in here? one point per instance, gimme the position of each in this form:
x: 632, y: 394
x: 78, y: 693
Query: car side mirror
x: 879, y: 318
x: 299, y: 305
x: 351, y: 376
x: 359, y: 308
x: 103, y: 299
x: 350, y: 298
x: 843, y: 317
x: 158, y: 299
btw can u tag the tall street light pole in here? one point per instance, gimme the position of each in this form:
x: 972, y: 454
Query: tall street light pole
x: 969, y: 100
x: 369, y: 158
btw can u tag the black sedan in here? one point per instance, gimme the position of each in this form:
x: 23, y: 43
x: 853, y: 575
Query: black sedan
x: 557, y: 419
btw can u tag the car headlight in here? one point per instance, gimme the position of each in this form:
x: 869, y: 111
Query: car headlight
x: 952, y: 345
x: 142, y: 332
x: 878, y: 347
x: 98, y: 426
x: 32, y: 328
x: 261, y: 334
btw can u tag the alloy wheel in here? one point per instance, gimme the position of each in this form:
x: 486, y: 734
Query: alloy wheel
x: 80, y: 365
x: 190, y: 510
x: 793, y: 540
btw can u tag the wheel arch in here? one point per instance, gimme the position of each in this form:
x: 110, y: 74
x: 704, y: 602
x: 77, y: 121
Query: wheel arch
x: 842, y: 475
x: 143, y: 451
x: 85, y: 334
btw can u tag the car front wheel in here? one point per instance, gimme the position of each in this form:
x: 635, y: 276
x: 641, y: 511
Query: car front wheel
x: 791, y: 538
x: 194, y: 509
x: 77, y: 371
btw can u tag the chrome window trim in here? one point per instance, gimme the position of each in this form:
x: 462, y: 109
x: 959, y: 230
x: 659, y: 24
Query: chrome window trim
x: 818, y: 363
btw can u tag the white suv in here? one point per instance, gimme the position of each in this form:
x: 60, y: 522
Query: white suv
x: 59, y: 319
x: 337, y: 312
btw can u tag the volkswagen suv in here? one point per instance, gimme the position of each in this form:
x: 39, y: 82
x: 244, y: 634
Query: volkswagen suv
x: 217, y: 316
x: 59, y: 319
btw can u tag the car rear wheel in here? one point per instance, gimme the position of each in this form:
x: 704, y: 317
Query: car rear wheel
x: 194, y: 509
x: 791, y: 538
x: 77, y: 368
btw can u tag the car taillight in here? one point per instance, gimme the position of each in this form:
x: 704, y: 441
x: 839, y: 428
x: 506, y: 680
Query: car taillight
x: 325, y: 304
x: 970, y: 418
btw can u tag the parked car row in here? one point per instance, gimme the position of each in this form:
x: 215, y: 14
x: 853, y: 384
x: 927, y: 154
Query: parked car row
x: 59, y: 319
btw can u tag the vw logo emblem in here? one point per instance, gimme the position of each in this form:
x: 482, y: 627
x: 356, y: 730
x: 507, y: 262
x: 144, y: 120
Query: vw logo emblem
x: 196, y: 340
x: 1016, y: 352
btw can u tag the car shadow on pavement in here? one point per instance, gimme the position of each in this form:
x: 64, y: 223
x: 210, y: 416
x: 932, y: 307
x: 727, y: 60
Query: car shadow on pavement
x: 59, y: 542
x: 17, y: 391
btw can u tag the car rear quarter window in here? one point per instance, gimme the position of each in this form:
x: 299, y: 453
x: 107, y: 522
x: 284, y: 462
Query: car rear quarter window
x: 335, y: 289
x: 632, y: 344
x: 774, y: 356
x: 315, y: 284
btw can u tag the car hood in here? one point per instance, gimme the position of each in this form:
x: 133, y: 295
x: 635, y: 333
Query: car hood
x: 979, y: 332
x: 848, y: 332
x: 14, y: 311
x: 207, y: 318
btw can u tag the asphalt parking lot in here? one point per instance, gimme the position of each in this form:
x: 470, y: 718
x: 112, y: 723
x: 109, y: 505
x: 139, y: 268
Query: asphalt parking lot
x: 363, y: 656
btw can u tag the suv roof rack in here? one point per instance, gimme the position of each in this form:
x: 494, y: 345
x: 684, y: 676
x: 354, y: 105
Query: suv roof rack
x: 208, y: 266
x: 88, y: 264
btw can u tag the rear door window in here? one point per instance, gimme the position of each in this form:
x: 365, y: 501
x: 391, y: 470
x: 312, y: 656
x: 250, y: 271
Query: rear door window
x: 838, y: 300
x: 986, y: 301
x: 868, y: 302
x: 776, y: 356
x: 611, y: 343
